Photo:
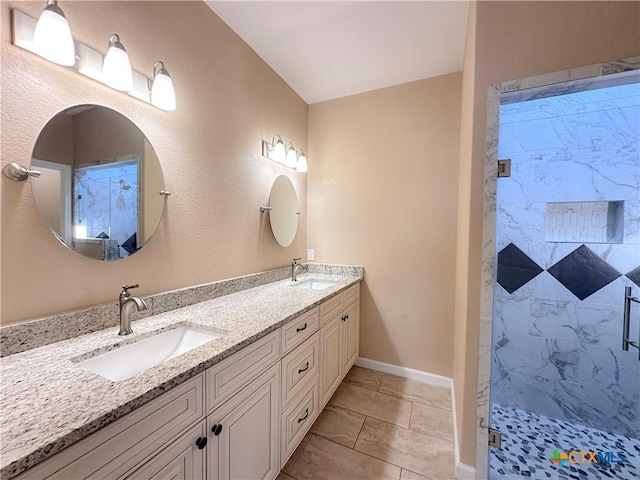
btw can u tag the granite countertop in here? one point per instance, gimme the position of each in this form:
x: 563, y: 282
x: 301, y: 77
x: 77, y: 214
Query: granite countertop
x: 48, y: 402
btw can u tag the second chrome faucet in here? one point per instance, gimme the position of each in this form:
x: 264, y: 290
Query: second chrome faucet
x: 296, y: 268
x: 126, y: 301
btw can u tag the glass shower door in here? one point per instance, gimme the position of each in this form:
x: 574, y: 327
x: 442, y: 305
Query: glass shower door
x: 565, y: 395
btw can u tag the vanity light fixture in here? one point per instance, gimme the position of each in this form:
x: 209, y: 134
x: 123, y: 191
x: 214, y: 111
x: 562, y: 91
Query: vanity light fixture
x: 162, y: 93
x: 112, y: 69
x: 302, y: 163
x: 52, y: 36
x: 291, y: 159
x: 116, y: 68
x: 286, y: 155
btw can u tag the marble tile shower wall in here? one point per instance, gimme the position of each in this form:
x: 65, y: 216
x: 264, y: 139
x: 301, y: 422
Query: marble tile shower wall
x: 558, y: 305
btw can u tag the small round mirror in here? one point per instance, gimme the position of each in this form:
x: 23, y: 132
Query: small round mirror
x: 284, y: 210
x: 100, y: 183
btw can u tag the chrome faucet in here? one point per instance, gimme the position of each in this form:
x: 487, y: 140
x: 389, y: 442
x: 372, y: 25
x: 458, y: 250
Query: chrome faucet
x: 125, y: 301
x: 295, y: 266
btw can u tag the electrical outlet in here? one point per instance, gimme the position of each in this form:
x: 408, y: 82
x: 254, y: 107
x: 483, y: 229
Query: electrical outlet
x: 311, y: 254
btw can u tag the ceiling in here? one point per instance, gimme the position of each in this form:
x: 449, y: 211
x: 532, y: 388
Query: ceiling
x: 331, y: 49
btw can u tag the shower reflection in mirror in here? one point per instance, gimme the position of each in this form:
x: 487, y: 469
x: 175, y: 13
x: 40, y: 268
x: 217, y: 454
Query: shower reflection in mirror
x: 106, y: 205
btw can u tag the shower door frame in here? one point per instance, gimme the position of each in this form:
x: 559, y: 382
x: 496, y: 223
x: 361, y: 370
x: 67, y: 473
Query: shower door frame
x: 555, y: 82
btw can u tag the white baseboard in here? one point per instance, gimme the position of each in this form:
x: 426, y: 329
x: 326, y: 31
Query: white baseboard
x: 410, y: 373
x: 463, y: 472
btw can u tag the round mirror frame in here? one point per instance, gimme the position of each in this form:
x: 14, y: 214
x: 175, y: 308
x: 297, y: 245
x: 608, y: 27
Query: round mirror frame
x: 284, y: 212
x: 101, y: 188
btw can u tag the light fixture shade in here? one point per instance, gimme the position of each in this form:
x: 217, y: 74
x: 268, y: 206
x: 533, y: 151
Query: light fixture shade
x: 279, y: 153
x: 52, y: 37
x: 291, y: 159
x: 116, y: 69
x: 302, y: 163
x: 162, y: 93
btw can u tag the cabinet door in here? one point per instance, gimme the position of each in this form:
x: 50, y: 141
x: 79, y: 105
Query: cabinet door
x: 350, y: 337
x: 330, y: 359
x: 183, y: 459
x: 244, y: 432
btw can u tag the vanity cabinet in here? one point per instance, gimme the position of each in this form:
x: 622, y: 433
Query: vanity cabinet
x: 339, y: 339
x: 240, y: 419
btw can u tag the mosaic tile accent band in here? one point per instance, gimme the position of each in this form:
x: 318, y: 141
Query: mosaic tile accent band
x: 530, y: 443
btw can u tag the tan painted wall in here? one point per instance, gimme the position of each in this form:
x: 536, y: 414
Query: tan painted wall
x: 383, y: 194
x: 228, y: 101
x: 100, y: 134
x: 55, y: 142
x: 465, y: 351
x: 514, y: 40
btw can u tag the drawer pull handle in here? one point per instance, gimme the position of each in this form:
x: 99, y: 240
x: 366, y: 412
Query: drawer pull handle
x: 306, y: 367
x: 306, y: 414
x: 201, y: 442
x: 304, y: 327
x: 216, y: 429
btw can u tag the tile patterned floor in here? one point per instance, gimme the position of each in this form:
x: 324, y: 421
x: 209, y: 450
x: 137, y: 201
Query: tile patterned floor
x: 378, y: 426
x: 529, y: 440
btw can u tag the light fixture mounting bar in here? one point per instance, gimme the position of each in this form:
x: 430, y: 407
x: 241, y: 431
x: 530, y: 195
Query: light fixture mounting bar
x: 266, y: 149
x: 88, y: 60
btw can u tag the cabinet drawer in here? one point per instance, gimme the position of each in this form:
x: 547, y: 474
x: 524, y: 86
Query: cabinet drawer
x: 299, y: 368
x: 116, y: 449
x: 299, y: 329
x: 351, y: 295
x: 331, y: 308
x: 233, y: 373
x: 297, y: 420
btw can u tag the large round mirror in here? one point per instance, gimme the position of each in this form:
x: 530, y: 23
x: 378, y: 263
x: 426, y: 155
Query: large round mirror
x: 100, y: 183
x: 284, y: 210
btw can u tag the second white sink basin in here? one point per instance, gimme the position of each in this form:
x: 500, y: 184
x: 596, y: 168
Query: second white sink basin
x: 135, y: 358
x: 313, y: 284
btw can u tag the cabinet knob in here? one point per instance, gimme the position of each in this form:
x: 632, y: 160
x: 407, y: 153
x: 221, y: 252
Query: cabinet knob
x: 347, y: 317
x: 344, y: 318
x: 302, y: 328
x: 201, y: 442
x: 216, y: 429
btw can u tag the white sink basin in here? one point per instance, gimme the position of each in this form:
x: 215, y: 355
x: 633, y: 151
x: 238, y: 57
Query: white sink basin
x: 135, y: 358
x: 313, y: 284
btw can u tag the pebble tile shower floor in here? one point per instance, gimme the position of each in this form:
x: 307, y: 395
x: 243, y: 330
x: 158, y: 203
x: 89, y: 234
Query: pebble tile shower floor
x: 528, y: 442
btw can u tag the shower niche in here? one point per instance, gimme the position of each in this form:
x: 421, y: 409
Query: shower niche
x: 585, y: 222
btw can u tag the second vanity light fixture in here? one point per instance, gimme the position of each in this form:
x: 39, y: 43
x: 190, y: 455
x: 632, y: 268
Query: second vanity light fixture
x: 50, y: 37
x: 286, y: 155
